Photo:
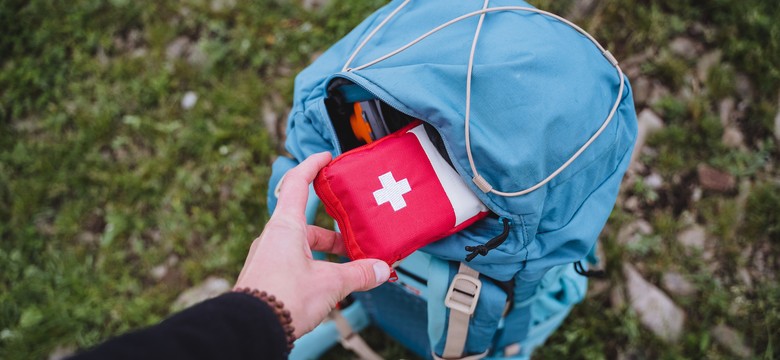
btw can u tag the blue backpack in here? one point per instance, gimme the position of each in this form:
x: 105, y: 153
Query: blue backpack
x: 538, y: 120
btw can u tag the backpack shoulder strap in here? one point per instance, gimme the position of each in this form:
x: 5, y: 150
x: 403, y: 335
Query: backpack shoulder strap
x: 461, y: 299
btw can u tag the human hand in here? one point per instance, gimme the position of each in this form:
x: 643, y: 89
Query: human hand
x: 280, y: 260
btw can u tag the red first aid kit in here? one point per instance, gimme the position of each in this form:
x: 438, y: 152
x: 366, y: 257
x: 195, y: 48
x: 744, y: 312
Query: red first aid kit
x: 395, y: 195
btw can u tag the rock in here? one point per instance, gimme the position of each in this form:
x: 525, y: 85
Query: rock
x: 641, y: 87
x: 654, y: 181
x: 633, y: 231
x: 648, y: 122
x: 685, y: 47
x: 659, y: 92
x: 696, y: 194
x: 705, y: 64
x: 744, y: 276
x: 631, y: 204
x: 581, y: 9
x: 62, y: 352
x: 158, y: 272
x: 726, y: 109
x: 699, y: 30
x: 694, y: 237
x: 632, y: 66
x: 189, y: 100
x: 208, y: 289
x: 596, y: 288
x: 677, y: 285
x: 777, y: 122
x: 714, y: 179
x: 197, y: 57
x: 655, y: 309
x: 617, y: 297
x: 314, y: 4
x: 731, y: 340
x: 222, y: 5
x: 743, y: 86
x: 178, y: 48
x: 745, y: 186
x: 733, y: 138
x: 270, y: 118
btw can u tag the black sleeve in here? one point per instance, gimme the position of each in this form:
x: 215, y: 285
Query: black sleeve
x: 231, y: 326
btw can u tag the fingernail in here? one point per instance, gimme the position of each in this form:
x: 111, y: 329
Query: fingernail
x: 381, y: 271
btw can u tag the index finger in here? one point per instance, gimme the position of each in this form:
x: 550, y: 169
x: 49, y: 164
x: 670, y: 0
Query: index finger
x: 295, y: 185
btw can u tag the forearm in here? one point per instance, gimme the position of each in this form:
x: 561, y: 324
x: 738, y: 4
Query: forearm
x: 231, y: 326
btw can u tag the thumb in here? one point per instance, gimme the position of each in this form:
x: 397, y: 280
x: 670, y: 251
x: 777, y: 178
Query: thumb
x: 362, y: 275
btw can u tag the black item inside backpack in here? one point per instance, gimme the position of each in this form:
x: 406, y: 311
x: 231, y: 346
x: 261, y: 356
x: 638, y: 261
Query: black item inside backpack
x: 340, y: 110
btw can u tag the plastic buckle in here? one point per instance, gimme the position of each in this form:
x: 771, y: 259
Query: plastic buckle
x: 463, y: 294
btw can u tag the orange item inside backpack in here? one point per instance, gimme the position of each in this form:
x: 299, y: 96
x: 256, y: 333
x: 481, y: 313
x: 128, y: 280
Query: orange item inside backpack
x: 360, y: 127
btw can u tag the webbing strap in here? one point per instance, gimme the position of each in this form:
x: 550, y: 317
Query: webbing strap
x: 462, y: 300
x: 351, y: 340
x: 472, y: 357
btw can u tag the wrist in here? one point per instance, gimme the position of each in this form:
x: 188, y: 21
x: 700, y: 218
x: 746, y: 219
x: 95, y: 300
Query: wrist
x: 284, y: 316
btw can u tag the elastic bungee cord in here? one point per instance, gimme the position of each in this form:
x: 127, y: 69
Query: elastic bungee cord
x: 478, y: 180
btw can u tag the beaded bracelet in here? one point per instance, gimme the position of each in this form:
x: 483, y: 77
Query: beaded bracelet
x: 278, y: 306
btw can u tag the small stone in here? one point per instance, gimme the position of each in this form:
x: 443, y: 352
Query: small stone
x: 208, y: 289
x: 648, y: 122
x: 596, y: 288
x: 189, y: 100
x: 650, y: 152
x: 714, y: 179
x: 314, y: 4
x: 726, y: 109
x: 632, y: 232
x: 694, y: 237
x: 270, y: 118
x: 777, y: 123
x: 677, y: 285
x: 733, y: 138
x: 656, y: 310
x: 654, y: 181
x: 581, y: 9
x: 178, y: 48
x: 731, y: 340
x: 641, y: 88
x: 685, y: 47
x: 705, y: 64
x: 696, y: 194
x: 617, y: 297
x: 62, y: 352
x: 631, y: 204
x: 632, y: 66
x: 139, y: 53
x: 197, y: 57
x: 744, y: 276
x: 88, y: 238
x: 745, y: 186
x: 222, y: 5
x: 743, y: 86
x: 659, y: 92
x: 158, y: 272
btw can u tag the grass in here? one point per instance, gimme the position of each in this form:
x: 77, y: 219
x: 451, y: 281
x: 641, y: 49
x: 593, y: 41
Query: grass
x: 104, y: 175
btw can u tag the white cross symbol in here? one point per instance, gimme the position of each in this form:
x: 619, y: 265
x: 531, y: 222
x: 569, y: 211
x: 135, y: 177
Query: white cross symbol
x: 392, y: 191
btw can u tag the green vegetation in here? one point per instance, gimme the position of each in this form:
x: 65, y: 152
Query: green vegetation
x: 104, y: 175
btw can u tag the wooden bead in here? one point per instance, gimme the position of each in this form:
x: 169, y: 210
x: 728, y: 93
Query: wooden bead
x: 284, y: 316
